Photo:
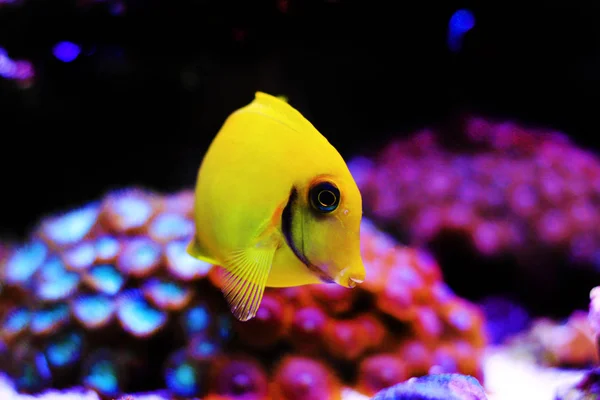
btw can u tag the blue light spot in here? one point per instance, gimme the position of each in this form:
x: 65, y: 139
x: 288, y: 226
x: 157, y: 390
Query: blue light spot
x: 81, y: 256
x: 225, y: 327
x: 171, y: 226
x: 136, y: 211
x: 65, y: 350
x: 202, y: 348
x: 45, y: 320
x: 93, y: 310
x: 8, y: 67
x: 55, y: 282
x: 165, y: 294
x: 73, y: 226
x: 146, y: 255
x: 182, y: 377
x: 66, y: 51
x: 503, y: 318
x: 185, y: 375
x: 16, y: 321
x: 197, y: 319
x: 107, y: 247
x: 105, y: 278
x: 102, y: 376
x: 25, y: 262
x: 117, y: 8
x: 137, y: 316
x: 34, y: 375
x: 460, y: 23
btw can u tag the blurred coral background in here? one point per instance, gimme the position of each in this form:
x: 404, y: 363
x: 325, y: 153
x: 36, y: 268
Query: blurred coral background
x: 470, y: 128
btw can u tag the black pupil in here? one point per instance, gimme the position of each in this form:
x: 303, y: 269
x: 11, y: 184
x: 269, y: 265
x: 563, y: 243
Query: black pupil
x: 326, y: 198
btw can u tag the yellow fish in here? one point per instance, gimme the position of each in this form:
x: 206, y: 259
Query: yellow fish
x: 275, y: 206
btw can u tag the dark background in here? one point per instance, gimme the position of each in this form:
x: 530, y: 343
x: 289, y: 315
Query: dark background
x: 152, y: 87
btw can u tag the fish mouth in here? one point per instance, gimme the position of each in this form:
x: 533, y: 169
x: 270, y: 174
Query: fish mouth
x: 287, y: 221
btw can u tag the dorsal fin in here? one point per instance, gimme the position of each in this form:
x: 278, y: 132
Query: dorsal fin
x: 279, y: 110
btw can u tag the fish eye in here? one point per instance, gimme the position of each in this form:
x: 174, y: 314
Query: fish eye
x: 324, y: 197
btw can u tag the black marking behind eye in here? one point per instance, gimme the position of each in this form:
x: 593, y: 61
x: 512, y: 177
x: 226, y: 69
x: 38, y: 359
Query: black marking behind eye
x: 286, y: 228
x: 286, y: 225
x: 324, y: 197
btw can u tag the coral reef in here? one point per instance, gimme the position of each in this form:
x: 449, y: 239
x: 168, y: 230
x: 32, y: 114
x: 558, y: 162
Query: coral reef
x: 435, y: 387
x: 568, y: 344
x: 594, y: 313
x: 493, y: 196
x: 105, y: 296
x: 589, y: 386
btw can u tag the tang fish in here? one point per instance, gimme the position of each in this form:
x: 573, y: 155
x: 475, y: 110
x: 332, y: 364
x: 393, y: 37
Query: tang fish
x: 275, y: 206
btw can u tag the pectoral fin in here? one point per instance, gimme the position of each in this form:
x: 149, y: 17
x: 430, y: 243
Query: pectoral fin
x: 246, y: 273
x: 195, y: 250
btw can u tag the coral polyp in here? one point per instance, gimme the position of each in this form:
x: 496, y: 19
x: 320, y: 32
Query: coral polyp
x: 516, y: 208
x: 299, y: 378
x: 106, y: 297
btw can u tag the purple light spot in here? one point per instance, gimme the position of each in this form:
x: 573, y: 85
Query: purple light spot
x: 524, y: 197
x: 7, y: 66
x: 66, y: 51
x: 81, y: 256
x: 23, y: 70
x: 172, y: 226
x: 136, y: 211
x: 583, y: 246
x: 117, y: 9
x: 596, y: 260
x: 182, y: 264
x: 361, y: 169
x: 461, y: 319
x: 486, y: 238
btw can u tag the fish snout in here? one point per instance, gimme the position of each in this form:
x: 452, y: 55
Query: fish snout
x: 350, y: 277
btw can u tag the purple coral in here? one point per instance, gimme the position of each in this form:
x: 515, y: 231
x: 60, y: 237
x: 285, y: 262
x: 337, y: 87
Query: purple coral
x: 435, y: 387
x: 498, y: 196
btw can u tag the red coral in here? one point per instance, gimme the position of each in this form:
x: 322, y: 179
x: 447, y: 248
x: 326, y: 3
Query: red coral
x: 380, y: 372
x: 121, y: 279
x: 299, y: 378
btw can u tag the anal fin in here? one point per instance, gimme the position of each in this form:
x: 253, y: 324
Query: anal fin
x: 246, y: 273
